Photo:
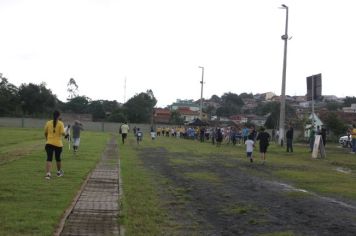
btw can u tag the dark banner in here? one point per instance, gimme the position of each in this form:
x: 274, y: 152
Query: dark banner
x: 314, y: 87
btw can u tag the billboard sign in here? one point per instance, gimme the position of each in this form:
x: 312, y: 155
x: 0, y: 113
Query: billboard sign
x: 314, y: 87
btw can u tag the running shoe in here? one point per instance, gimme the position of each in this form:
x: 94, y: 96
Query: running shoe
x: 48, y: 176
x: 60, y: 173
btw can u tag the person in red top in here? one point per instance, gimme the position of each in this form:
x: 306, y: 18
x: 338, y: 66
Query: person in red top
x: 53, y: 131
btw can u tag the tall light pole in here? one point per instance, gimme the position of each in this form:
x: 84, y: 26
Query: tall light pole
x: 313, y: 121
x: 201, y: 92
x: 283, y: 94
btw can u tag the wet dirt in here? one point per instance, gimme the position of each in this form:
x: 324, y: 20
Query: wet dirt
x: 216, y: 195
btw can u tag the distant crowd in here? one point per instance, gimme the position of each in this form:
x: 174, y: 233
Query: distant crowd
x: 237, y: 136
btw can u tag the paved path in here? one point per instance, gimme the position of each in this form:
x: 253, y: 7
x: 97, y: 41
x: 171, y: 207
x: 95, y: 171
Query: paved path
x: 96, y: 210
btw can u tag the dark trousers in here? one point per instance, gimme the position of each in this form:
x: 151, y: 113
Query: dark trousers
x: 123, y: 137
x: 289, y: 145
x: 50, y: 149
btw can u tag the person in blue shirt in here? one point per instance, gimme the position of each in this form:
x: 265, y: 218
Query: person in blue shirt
x: 245, y: 133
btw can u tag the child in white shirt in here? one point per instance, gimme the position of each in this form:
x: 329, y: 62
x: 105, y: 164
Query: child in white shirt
x: 249, y: 147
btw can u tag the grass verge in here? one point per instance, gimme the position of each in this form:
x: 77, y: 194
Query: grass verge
x: 31, y: 205
x: 142, y: 213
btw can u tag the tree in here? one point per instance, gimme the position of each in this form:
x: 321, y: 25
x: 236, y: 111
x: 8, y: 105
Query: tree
x: 72, y: 89
x: 37, y: 99
x: 9, y: 98
x: 215, y: 99
x: 176, y: 118
x: 102, y: 109
x: 140, y: 107
x: 348, y: 101
x: 119, y: 115
x: 78, y: 104
x: 210, y: 110
x: 333, y: 106
x: 246, y: 95
x: 273, y: 109
x: 97, y: 110
x: 231, y: 104
x: 334, y: 123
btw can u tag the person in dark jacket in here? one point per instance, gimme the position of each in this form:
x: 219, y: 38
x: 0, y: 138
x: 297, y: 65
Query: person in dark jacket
x: 77, y: 127
x: 289, y: 136
x: 219, y: 137
x: 263, y: 137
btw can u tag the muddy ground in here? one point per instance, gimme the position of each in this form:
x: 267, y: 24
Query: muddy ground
x: 216, y: 195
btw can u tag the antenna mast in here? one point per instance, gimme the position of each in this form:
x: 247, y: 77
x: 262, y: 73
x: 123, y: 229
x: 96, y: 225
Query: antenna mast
x: 125, y: 90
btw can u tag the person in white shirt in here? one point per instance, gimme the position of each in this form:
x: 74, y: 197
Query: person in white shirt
x: 249, y: 147
x: 124, y: 130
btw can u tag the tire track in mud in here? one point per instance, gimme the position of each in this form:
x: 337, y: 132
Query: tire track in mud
x: 229, y: 200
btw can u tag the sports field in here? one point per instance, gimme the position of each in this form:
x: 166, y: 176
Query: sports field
x: 31, y: 205
x: 183, y: 187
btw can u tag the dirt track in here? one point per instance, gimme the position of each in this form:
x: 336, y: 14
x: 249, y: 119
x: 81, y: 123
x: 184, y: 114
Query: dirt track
x: 234, y: 197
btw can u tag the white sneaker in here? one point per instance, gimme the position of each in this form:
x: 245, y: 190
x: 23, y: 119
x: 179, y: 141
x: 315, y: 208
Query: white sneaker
x: 60, y: 173
x: 48, y: 176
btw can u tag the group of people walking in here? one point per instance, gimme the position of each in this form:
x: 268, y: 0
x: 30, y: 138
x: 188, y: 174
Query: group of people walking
x: 217, y: 135
x: 54, y: 130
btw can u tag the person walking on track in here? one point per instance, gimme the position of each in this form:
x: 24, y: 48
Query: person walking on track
x: 53, y: 131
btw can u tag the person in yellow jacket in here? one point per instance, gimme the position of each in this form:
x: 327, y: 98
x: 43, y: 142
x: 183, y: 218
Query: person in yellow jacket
x: 353, y: 135
x: 53, y: 131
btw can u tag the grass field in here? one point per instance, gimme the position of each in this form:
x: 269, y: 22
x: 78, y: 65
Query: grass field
x: 142, y: 203
x: 31, y: 205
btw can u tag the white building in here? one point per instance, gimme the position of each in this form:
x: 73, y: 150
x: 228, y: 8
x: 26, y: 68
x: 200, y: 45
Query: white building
x: 351, y: 109
x: 185, y: 104
x: 269, y: 96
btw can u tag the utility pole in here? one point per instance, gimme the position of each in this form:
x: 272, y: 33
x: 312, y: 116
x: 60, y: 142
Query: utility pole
x: 283, y: 94
x: 125, y: 90
x: 201, y: 93
x: 313, y: 120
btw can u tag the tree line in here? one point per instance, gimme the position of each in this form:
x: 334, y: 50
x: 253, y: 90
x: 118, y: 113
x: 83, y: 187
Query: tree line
x: 36, y: 100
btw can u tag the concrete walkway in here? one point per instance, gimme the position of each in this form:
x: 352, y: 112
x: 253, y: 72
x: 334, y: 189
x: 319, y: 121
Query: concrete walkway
x: 96, y: 209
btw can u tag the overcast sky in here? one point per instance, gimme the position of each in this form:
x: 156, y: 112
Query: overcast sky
x: 160, y: 44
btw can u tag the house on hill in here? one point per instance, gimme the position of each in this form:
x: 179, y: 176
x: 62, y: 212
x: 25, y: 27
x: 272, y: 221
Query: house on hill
x: 351, y: 109
x: 185, y: 104
x: 187, y: 114
x: 161, y: 115
x: 238, y: 119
